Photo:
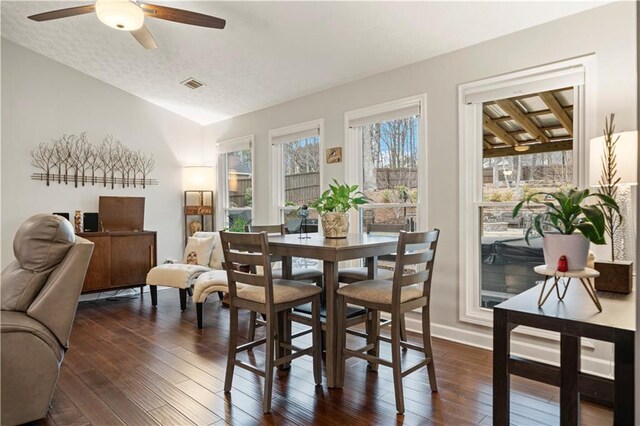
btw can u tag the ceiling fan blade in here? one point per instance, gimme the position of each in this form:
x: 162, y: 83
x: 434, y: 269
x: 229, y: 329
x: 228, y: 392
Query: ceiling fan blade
x: 63, y: 13
x: 144, y: 37
x: 182, y: 16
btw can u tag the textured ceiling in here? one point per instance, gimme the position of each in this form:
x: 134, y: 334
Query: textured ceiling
x: 269, y: 52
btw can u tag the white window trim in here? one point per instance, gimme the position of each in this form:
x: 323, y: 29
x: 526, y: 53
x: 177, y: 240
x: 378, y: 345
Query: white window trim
x: 353, y: 151
x: 470, y: 156
x: 223, y: 147
x: 276, y: 159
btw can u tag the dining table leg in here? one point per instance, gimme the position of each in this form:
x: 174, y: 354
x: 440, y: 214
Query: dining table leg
x: 284, y: 326
x: 331, y: 288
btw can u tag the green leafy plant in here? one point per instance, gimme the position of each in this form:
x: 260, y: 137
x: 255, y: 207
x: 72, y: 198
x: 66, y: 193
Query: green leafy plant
x: 339, y: 198
x: 238, y: 224
x: 566, y: 213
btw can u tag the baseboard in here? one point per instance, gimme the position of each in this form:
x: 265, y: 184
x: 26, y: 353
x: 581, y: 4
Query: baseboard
x: 592, y: 365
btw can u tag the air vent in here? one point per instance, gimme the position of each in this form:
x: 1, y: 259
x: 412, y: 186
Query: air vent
x: 192, y: 83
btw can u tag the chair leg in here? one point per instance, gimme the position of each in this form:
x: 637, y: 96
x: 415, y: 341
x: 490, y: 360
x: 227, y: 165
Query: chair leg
x: 268, y: 363
x: 233, y: 343
x: 396, y: 364
x: 190, y: 291
x: 153, y: 289
x: 373, y: 331
x: 252, y: 326
x: 317, y: 345
x: 183, y: 299
x: 199, y: 313
x: 220, y: 295
x: 428, y: 350
x: 403, y: 330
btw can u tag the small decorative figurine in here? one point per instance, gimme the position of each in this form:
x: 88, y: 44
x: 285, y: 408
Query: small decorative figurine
x: 195, y: 226
x: 563, y: 265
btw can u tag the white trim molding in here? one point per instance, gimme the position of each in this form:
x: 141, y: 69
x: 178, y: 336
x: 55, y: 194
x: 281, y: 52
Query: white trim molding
x: 283, y: 135
x: 577, y: 71
x: 398, y: 108
x: 222, y: 194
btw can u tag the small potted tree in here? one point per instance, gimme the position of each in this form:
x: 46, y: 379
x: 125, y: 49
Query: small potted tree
x: 567, y: 212
x: 333, y: 205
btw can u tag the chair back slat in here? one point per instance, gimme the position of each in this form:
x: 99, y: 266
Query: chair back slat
x: 414, y: 261
x: 269, y: 229
x: 414, y: 278
x: 247, y: 249
x: 387, y: 228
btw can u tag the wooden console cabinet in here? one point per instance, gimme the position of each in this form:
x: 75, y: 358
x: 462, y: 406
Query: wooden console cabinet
x: 120, y: 259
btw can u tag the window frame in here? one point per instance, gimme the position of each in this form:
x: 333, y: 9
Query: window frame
x: 470, y: 170
x: 353, y: 152
x: 276, y: 159
x: 223, y: 147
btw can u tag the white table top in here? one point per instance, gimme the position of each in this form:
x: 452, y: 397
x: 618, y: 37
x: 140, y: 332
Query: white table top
x: 552, y: 272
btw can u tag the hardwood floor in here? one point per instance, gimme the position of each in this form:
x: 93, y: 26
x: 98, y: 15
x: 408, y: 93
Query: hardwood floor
x: 131, y: 364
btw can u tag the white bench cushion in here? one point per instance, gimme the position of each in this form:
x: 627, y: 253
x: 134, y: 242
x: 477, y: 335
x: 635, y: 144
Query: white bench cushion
x: 176, y: 275
x: 210, y: 282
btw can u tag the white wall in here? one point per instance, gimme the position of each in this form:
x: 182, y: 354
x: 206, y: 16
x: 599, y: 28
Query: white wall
x: 43, y: 99
x: 609, y: 32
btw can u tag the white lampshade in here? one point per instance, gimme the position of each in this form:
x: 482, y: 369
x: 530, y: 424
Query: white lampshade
x: 120, y: 14
x: 198, y: 178
x: 626, y: 156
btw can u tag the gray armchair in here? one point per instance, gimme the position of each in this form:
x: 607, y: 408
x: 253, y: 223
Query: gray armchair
x: 39, y: 297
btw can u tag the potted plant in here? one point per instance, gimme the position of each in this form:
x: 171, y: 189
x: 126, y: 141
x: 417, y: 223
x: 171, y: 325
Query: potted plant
x: 567, y: 213
x: 615, y: 275
x: 333, y: 205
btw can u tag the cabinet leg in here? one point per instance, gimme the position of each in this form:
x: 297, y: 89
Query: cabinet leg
x: 154, y: 295
x: 183, y: 299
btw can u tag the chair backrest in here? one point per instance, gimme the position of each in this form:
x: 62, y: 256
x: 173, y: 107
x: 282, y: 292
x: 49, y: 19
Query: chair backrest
x: 46, y: 278
x: 252, y: 249
x: 414, y: 250
x: 387, y: 228
x: 269, y: 229
x: 217, y: 258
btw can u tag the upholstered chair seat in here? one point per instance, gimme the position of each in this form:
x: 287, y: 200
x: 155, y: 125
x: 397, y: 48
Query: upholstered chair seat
x: 379, y: 291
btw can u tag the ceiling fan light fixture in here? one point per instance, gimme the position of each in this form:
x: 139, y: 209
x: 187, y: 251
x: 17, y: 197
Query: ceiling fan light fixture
x: 521, y: 148
x: 121, y: 15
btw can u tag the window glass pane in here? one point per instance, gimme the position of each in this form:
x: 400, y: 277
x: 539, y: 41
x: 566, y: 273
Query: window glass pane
x: 239, y: 200
x: 390, y: 169
x: 301, y: 171
x: 527, y: 148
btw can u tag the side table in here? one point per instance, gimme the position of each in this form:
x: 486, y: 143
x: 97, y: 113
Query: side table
x: 586, y: 277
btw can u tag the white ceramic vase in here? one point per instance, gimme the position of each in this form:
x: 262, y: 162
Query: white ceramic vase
x: 575, y: 247
x: 335, y: 224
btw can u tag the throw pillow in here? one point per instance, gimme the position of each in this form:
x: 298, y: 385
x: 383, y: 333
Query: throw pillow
x: 198, y: 251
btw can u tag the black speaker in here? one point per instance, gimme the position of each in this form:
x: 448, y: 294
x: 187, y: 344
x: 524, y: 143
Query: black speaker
x: 90, y: 222
x: 65, y: 215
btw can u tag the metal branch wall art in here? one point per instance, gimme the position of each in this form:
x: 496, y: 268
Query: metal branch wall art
x: 72, y: 159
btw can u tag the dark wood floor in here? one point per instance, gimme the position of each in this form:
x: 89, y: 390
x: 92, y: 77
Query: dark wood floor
x: 129, y: 363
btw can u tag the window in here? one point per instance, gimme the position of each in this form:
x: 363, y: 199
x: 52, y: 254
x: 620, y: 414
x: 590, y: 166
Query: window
x: 235, y: 177
x: 519, y: 134
x: 296, y: 172
x: 387, y: 142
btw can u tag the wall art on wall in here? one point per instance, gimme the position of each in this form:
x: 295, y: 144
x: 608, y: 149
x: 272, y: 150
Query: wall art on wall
x: 72, y: 159
x: 334, y: 155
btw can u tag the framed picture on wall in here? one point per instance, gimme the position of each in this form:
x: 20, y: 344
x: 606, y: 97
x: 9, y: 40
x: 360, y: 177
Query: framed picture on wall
x: 334, y: 155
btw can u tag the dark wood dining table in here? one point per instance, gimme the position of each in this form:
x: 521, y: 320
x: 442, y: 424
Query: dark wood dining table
x: 331, y: 251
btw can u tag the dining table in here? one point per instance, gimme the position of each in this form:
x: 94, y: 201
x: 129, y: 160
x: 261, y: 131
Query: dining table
x: 331, y: 251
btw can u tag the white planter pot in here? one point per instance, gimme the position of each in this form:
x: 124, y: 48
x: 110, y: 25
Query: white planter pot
x: 335, y: 224
x: 575, y: 247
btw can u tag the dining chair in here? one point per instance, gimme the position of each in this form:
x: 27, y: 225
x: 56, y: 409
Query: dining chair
x: 355, y: 274
x: 402, y: 294
x: 274, y: 298
x: 299, y: 274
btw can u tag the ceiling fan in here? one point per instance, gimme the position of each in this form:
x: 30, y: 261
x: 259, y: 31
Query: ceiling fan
x: 125, y: 15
